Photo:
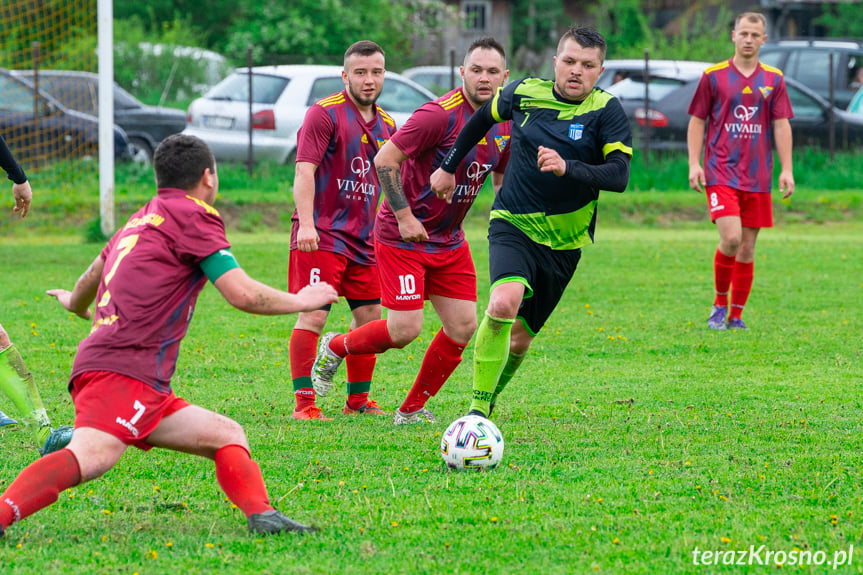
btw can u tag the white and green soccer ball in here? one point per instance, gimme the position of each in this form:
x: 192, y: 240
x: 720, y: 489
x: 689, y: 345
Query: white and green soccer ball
x: 472, y: 442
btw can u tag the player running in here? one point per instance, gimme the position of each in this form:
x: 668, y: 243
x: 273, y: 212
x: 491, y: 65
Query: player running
x: 336, y: 192
x: 419, y: 242
x: 146, y: 282
x: 569, y: 141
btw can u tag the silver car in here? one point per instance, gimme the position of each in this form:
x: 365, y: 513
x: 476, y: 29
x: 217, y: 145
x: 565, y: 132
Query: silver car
x: 281, y: 96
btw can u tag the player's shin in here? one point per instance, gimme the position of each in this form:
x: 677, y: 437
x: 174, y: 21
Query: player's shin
x: 38, y: 486
x: 17, y: 383
x: 513, y: 362
x: 490, y: 354
x: 241, y: 480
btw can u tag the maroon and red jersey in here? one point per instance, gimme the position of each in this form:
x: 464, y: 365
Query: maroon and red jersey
x: 148, y: 288
x: 335, y: 137
x: 739, y: 112
x: 425, y: 139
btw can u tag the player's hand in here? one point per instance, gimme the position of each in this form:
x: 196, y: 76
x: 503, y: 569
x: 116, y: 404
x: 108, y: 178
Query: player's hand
x: 22, y: 194
x: 549, y: 160
x: 411, y: 229
x: 786, y: 183
x: 317, y: 296
x: 307, y: 238
x: 696, y: 178
x: 65, y: 298
x: 443, y: 185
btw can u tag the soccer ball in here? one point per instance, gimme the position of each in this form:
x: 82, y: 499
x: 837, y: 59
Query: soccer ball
x: 472, y: 442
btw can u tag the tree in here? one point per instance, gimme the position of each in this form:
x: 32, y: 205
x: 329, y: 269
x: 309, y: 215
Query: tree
x: 319, y: 31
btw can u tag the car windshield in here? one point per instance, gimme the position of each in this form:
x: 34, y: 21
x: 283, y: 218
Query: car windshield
x: 265, y: 89
x: 633, y: 89
x: 14, y: 97
x: 400, y: 97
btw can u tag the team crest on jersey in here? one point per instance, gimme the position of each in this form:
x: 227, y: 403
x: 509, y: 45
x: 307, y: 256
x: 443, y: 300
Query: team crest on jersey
x: 575, y: 131
x: 501, y: 142
x: 765, y: 91
x: 381, y: 142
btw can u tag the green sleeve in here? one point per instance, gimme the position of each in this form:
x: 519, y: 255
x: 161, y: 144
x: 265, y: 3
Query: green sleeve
x: 215, y: 265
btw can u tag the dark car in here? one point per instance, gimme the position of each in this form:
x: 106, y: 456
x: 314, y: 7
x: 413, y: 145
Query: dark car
x: 40, y: 129
x: 808, y: 62
x: 810, y: 125
x: 145, y: 126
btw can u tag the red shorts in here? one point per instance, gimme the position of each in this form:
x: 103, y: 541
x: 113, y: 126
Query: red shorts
x: 754, y: 209
x: 351, y: 280
x: 408, y: 277
x: 128, y: 409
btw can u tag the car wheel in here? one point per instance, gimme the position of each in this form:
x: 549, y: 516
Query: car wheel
x: 140, y: 151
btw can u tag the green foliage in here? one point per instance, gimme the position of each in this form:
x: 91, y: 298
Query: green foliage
x: 65, y: 31
x: 536, y: 23
x: 319, y: 31
x: 842, y: 19
x: 629, y: 33
x: 164, y: 77
x: 209, y: 21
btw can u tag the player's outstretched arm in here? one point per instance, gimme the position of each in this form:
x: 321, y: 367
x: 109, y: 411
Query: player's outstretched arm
x: 250, y: 295
x: 82, y: 295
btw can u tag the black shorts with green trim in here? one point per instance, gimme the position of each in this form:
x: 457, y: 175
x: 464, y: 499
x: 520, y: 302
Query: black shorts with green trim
x: 512, y: 256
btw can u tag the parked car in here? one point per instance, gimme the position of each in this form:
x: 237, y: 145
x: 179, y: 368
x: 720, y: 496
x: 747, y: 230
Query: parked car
x: 617, y: 70
x: 631, y: 91
x: 281, y: 94
x: 40, y: 129
x: 808, y: 62
x: 438, y: 79
x: 145, y: 126
x: 810, y: 125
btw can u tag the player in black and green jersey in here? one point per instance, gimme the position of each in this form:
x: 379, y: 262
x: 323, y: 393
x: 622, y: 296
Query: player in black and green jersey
x: 569, y: 141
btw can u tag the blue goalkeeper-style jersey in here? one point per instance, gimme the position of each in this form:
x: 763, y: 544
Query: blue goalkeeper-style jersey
x: 555, y: 211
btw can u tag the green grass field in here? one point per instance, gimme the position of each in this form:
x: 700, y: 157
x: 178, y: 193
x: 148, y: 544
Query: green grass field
x: 634, y: 435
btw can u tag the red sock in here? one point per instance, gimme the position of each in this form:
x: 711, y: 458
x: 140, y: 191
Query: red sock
x: 741, y: 286
x: 360, y: 370
x: 372, y: 337
x: 302, y: 350
x: 38, y: 486
x: 723, y: 269
x: 441, y: 358
x: 241, y: 480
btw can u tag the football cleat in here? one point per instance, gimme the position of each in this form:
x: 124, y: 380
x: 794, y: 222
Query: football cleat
x: 415, y: 418
x: 736, y: 323
x: 272, y: 522
x: 326, y: 365
x: 717, y: 317
x: 6, y: 420
x: 310, y: 412
x: 57, y: 440
x: 479, y: 413
x: 370, y: 408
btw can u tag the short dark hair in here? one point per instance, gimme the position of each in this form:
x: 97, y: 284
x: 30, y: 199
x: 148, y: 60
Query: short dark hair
x: 754, y: 17
x: 486, y: 43
x: 180, y: 160
x: 586, y: 37
x: 363, y: 48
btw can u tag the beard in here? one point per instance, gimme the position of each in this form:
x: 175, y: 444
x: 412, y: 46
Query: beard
x: 361, y: 98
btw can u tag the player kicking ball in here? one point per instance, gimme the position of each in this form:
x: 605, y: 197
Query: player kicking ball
x: 146, y: 282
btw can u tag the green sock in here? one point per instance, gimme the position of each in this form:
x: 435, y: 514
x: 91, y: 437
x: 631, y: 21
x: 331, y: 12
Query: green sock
x: 17, y: 383
x: 489, y: 356
x: 512, y: 364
